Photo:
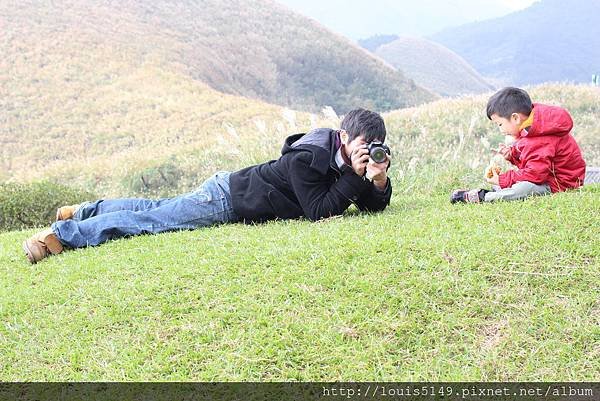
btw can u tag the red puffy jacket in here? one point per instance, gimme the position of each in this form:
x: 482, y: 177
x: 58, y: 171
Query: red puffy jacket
x: 546, y: 152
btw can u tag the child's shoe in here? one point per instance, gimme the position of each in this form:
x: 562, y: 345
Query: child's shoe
x: 468, y: 196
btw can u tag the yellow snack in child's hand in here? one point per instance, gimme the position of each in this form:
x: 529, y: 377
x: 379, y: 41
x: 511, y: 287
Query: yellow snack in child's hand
x: 490, y: 171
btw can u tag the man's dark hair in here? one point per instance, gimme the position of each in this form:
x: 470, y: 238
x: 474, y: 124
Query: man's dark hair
x: 364, y: 122
x: 507, y: 101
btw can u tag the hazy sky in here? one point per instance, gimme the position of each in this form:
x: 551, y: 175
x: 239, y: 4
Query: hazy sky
x: 359, y: 19
x: 517, y: 4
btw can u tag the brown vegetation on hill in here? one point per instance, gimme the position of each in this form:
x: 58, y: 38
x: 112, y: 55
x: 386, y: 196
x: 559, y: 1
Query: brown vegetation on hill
x: 433, y: 66
x: 255, y: 49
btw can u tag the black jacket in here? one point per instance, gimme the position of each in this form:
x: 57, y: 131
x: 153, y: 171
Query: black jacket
x: 304, y: 181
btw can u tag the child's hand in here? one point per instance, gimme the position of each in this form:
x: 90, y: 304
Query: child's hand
x: 504, y: 151
x: 494, y: 179
x: 491, y: 169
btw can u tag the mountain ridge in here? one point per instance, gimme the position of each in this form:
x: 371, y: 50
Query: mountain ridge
x: 559, y: 49
x: 263, y: 51
x: 433, y: 66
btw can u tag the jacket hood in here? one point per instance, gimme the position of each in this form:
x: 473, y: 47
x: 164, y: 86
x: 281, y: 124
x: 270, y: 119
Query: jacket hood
x: 549, y: 120
x: 321, y: 142
x: 289, y: 141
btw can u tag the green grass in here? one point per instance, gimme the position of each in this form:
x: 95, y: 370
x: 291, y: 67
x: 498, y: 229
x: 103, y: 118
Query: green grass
x: 424, y: 291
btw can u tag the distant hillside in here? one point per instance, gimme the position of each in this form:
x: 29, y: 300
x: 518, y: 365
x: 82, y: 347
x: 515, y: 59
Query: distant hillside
x: 433, y: 66
x: 259, y: 49
x: 115, y: 121
x: 553, y: 40
x: 364, y: 18
x: 373, y: 42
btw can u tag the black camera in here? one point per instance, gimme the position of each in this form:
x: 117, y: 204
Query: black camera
x: 378, y: 151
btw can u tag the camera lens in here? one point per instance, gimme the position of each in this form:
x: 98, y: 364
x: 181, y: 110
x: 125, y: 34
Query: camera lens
x: 378, y: 155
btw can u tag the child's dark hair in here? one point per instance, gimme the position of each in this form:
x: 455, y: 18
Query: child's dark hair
x: 507, y: 101
x: 364, y: 122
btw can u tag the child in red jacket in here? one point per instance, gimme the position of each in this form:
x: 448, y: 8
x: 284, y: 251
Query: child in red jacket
x: 546, y: 154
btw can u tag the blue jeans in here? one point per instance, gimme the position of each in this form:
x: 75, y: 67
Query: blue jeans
x: 102, y: 220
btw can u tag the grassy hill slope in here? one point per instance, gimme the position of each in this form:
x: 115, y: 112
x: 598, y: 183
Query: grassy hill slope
x: 260, y: 50
x: 104, y: 134
x: 551, y: 41
x: 433, y: 66
x: 423, y: 291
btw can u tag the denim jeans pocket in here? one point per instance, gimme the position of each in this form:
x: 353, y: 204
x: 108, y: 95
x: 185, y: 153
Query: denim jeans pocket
x: 209, y: 192
x: 202, y: 196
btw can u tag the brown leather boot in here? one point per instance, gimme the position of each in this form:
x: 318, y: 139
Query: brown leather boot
x: 66, y: 212
x: 42, y: 245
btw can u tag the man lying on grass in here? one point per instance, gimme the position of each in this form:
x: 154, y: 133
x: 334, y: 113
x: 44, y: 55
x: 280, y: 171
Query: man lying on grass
x: 318, y: 175
x: 546, y: 154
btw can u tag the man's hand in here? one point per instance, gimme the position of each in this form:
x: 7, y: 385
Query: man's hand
x: 377, y: 172
x: 495, y: 179
x: 360, y: 158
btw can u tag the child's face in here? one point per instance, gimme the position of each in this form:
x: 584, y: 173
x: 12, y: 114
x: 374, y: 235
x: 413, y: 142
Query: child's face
x: 509, y: 126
